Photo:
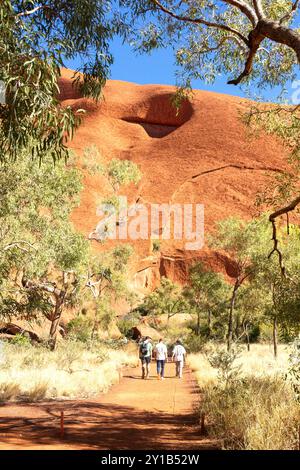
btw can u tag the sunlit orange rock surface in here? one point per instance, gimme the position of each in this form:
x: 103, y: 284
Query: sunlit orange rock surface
x: 202, y: 155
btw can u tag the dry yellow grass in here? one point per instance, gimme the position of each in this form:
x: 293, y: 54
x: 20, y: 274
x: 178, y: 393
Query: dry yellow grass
x: 255, y: 411
x: 71, y: 372
x: 258, y: 362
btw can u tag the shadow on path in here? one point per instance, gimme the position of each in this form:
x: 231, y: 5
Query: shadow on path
x: 135, y: 414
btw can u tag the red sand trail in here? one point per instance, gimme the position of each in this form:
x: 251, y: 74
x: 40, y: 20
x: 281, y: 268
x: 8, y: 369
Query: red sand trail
x: 134, y: 414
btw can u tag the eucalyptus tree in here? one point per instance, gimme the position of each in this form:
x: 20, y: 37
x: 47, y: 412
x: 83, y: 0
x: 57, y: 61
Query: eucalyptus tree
x: 107, y: 283
x: 43, y: 260
x: 167, y: 299
x: 245, y: 243
x: 207, y: 293
x: 36, y: 37
x: 239, y: 38
x: 281, y: 294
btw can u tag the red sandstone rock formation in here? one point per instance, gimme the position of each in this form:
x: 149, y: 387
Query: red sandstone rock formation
x: 202, y: 155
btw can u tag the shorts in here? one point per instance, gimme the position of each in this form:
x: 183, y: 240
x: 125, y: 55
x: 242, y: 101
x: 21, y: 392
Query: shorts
x: 146, y: 360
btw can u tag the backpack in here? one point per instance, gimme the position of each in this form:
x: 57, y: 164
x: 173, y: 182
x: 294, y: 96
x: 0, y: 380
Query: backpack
x: 144, y: 349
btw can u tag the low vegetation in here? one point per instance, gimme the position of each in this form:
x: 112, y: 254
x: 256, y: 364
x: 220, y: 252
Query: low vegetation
x: 73, y: 370
x: 248, y: 398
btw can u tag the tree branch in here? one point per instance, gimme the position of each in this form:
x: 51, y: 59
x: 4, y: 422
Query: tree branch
x: 291, y: 13
x: 255, y: 39
x: 18, y: 244
x: 258, y: 9
x: 50, y: 288
x: 244, y: 8
x: 33, y: 11
x: 278, y: 33
x: 209, y: 24
x: 272, y: 218
x: 220, y: 44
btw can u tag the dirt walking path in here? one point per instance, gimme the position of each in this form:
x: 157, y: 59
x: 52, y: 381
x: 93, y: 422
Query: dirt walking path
x: 135, y: 414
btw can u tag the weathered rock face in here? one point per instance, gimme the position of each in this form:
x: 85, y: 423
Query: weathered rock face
x: 8, y: 330
x: 202, y: 155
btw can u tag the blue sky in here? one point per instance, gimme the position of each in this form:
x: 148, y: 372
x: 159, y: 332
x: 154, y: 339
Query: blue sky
x: 159, y: 68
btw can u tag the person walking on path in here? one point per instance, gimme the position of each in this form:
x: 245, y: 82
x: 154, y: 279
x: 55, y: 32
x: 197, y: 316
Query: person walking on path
x: 161, y: 358
x: 145, y: 354
x: 178, y: 356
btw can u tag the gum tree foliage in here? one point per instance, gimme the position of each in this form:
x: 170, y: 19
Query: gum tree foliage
x: 207, y: 295
x: 245, y: 243
x: 246, y: 40
x: 42, y: 257
x: 281, y: 294
x: 118, y: 174
x: 166, y: 299
x: 259, y: 292
x: 35, y: 39
x: 238, y: 38
x: 107, y: 283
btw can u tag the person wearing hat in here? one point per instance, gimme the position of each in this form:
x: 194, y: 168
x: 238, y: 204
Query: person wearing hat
x: 178, y: 356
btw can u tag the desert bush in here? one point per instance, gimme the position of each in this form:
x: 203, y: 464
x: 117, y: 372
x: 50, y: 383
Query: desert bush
x: 114, y: 343
x: 72, y: 371
x: 126, y: 323
x: 293, y: 373
x: 156, y: 245
x: 225, y: 363
x: 246, y: 399
x: 37, y: 392
x: 175, y: 332
x: 253, y: 414
x: 22, y: 340
x: 67, y: 356
x: 9, y: 391
x: 195, y: 343
x: 80, y: 328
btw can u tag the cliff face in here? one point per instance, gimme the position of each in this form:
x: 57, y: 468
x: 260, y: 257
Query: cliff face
x: 202, y: 155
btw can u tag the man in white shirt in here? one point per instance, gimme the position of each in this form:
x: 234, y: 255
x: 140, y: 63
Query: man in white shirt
x: 178, y: 355
x: 161, y: 358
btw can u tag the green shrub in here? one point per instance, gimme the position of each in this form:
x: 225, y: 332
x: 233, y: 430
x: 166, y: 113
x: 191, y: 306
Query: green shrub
x: 114, y: 343
x: 126, y: 323
x: 195, y: 343
x: 224, y: 362
x: 21, y: 340
x: 156, y: 246
x: 80, y: 328
x: 254, y: 334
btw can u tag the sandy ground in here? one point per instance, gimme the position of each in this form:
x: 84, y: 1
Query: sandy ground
x: 135, y: 414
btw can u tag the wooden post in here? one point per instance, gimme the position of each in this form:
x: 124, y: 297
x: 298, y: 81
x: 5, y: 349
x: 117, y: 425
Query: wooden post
x: 62, y: 424
x: 202, y: 424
